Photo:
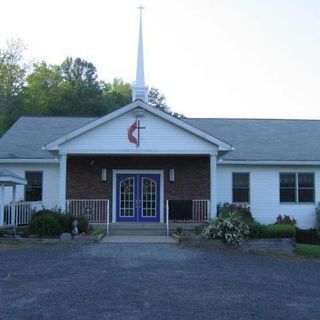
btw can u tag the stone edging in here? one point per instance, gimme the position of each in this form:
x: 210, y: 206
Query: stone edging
x: 276, y: 245
x: 79, y: 238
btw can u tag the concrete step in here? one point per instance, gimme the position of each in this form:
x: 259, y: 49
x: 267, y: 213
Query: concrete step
x: 134, y: 229
x: 136, y: 232
x: 144, y: 228
x: 137, y: 226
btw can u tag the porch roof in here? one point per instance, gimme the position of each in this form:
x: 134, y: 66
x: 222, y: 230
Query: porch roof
x: 8, y: 178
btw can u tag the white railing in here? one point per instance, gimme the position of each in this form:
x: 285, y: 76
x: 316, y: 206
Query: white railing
x: 200, y: 210
x: 95, y: 210
x: 108, y: 219
x: 23, y: 212
x: 167, y: 217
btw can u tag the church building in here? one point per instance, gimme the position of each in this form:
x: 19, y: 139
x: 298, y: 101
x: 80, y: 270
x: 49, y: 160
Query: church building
x: 141, y: 165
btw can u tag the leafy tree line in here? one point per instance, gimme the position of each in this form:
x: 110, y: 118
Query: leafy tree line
x: 71, y: 88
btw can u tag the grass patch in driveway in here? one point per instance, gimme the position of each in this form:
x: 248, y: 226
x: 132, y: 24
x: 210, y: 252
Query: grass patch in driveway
x: 308, y: 250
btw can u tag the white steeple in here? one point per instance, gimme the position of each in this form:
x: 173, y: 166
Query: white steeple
x: 139, y: 89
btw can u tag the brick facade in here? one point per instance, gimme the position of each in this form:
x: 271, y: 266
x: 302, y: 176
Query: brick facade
x: 192, y: 175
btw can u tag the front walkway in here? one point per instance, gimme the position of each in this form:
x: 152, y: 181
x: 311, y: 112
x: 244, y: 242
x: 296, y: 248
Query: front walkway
x: 153, y: 281
x: 138, y: 239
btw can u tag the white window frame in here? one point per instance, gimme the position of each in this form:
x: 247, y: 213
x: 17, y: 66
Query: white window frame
x: 297, y: 202
x: 249, y: 187
x: 42, y: 185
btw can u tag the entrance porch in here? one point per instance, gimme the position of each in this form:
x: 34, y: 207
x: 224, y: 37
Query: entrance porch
x: 140, y: 189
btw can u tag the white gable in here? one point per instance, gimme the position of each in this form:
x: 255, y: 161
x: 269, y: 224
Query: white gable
x: 159, y: 136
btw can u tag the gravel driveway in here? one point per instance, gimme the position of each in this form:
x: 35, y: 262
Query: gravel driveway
x: 153, y: 281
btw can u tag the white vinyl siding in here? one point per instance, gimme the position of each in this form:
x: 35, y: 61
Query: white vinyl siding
x: 159, y: 136
x: 265, y: 192
x: 50, y: 182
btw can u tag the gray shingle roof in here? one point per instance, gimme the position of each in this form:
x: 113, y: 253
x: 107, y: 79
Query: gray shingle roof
x: 253, y: 139
x: 266, y: 139
x: 28, y: 135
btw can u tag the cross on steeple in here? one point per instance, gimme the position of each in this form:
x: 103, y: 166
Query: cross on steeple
x: 140, y: 8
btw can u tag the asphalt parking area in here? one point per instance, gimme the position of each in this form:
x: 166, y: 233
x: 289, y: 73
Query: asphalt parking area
x: 153, y: 281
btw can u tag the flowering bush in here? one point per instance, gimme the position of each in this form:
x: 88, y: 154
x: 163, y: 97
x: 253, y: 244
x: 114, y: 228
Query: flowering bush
x: 241, y: 209
x: 228, y: 227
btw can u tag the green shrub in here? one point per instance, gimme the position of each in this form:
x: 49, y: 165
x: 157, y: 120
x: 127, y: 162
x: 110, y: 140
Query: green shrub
x: 278, y: 231
x: 256, y: 229
x: 179, y: 231
x: 318, y: 217
x: 229, y: 227
x: 242, y: 210
x: 63, y: 220
x: 308, y: 250
x: 45, y: 224
x: 97, y: 231
x: 308, y: 236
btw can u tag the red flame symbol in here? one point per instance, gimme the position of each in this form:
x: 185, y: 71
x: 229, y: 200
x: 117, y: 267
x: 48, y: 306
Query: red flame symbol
x: 131, y: 137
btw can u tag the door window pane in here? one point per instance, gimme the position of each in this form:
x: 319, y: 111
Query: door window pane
x: 127, y: 197
x: 149, y: 197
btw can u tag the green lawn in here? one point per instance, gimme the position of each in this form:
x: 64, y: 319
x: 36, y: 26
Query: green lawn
x: 308, y: 250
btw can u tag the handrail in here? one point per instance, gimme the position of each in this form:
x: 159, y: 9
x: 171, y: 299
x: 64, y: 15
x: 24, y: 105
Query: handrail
x: 93, y: 209
x: 20, y: 213
x: 167, y: 217
x: 108, y: 217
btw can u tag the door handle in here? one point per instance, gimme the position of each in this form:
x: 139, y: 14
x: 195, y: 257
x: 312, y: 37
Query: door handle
x: 138, y: 203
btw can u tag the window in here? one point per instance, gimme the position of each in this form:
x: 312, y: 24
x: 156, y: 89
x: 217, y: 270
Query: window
x: 306, y: 187
x: 240, y: 187
x: 288, y: 187
x: 296, y: 187
x: 33, y: 189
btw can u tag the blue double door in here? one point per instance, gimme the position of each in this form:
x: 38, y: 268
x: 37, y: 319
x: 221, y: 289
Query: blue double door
x: 138, y: 197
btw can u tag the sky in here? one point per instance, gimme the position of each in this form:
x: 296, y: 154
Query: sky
x: 210, y: 58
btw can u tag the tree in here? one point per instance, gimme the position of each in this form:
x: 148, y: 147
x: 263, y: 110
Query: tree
x: 117, y: 94
x: 157, y: 100
x: 43, y: 91
x: 82, y: 91
x: 12, y: 79
x: 69, y: 89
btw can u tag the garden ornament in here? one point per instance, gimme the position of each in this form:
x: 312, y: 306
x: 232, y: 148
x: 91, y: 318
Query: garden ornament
x: 75, y: 230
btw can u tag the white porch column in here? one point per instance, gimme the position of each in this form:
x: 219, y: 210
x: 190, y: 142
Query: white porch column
x: 62, y: 181
x: 2, y: 206
x: 213, y: 186
x: 13, y: 208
